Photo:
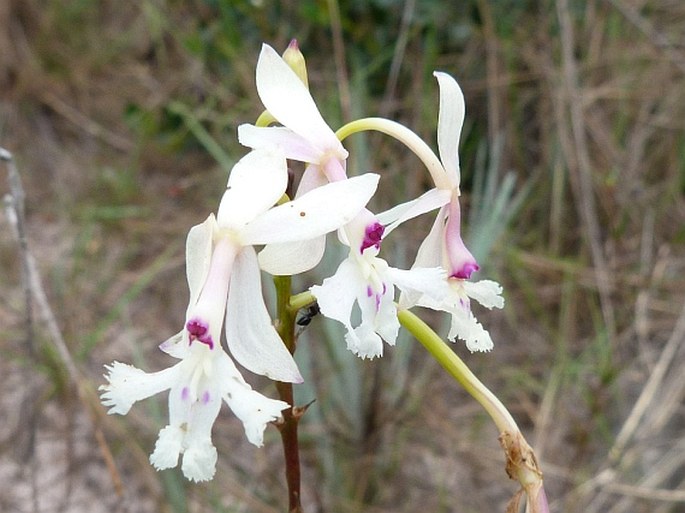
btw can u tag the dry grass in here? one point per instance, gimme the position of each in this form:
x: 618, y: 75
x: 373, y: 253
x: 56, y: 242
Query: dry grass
x: 582, y: 102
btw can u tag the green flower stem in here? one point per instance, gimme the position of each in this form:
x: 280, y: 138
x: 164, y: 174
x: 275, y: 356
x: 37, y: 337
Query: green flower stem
x: 521, y: 463
x: 286, y: 316
x: 405, y: 136
x: 291, y: 416
x: 265, y: 119
x: 437, y: 347
x: 299, y: 301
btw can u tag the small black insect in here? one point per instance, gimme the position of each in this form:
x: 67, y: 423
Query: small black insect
x: 309, y: 313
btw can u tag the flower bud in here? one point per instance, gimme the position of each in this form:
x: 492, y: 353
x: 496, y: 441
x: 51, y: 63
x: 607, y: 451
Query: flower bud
x: 294, y: 58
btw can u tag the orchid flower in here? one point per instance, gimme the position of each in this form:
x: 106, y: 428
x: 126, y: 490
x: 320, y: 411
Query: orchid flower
x: 367, y: 280
x: 444, y: 246
x: 304, y: 137
x: 224, y: 282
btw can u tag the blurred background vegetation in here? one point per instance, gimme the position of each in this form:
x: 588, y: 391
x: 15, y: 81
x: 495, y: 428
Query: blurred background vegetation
x: 122, y: 118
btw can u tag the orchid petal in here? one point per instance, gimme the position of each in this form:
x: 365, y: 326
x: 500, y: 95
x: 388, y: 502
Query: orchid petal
x: 288, y: 258
x: 255, y: 411
x: 430, y: 253
x: 337, y: 294
x: 450, y: 123
x: 177, y: 345
x: 252, y: 339
x: 168, y: 447
x: 198, y: 256
x: 315, y: 213
x: 380, y: 316
x: 257, y: 182
x: 386, y: 321
x: 487, y: 292
x: 431, y: 282
x: 312, y: 178
x: 292, y: 145
x: 334, y: 168
x: 199, y: 459
x: 251, y: 407
x: 435, y: 198
x: 208, y: 312
x: 128, y: 385
x: 364, y: 342
x: 289, y: 101
x: 465, y: 326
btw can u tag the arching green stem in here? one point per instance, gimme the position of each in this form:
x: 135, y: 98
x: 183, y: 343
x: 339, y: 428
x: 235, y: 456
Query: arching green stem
x: 455, y: 366
x: 405, y: 136
x: 521, y: 463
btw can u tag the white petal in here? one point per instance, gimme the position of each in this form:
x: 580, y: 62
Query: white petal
x: 289, y: 101
x: 486, y: 292
x: 211, y: 305
x: 337, y: 294
x: 199, y: 461
x: 435, y: 198
x: 290, y: 258
x: 426, y: 281
x: 198, y: 256
x: 252, y: 408
x: 467, y: 328
x: 430, y: 253
x: 252, y: 339
x: 127, y: 385
x: 257, y: 182
x: 385, y: 320
x: 292, y: 145
x: 364, y: 342
x: 450, y: 122
x: 199, y: 458
x: 176, y: 345
x: 312, y: 178
x: 317, y: 212
x: 167, y: 448
x: 334, y: 166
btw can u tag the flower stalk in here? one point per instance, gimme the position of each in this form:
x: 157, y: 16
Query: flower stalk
x: 521, y: 463
x: 291, y: 416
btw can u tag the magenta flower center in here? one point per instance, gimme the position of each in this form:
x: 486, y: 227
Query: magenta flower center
x: 465, y: 271
x: 199, y: 330
x: 373, y: 234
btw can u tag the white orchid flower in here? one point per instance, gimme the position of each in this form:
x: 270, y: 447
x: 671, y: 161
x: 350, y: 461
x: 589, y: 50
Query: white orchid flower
x: 367, y: 280
x: 444, y: 246
x: 304, y: 137
x: 224, y: 282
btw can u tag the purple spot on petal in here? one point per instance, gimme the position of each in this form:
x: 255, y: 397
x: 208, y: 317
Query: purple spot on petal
x: 205, y: 397
x: 185, y: 393
x: 372, y: 236
x: 369, y: 291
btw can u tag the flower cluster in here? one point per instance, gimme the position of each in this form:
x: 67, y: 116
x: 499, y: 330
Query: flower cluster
x: 224, y: 266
